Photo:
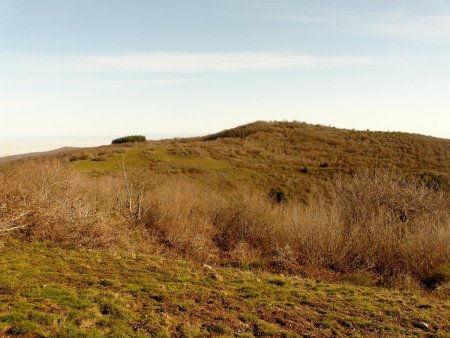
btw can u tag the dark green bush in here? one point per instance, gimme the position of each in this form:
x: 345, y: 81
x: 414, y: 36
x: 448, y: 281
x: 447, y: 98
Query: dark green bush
x: 277, y: 195
x: 99, y: 159
x: 128, y: 139
x: 304, y: 170
x: 437, y: 277
x: 324, y: 165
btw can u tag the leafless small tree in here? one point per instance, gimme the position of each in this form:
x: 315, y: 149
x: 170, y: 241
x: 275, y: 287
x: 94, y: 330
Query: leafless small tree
x: 136, y: 187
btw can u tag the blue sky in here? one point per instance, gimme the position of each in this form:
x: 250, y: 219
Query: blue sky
x: 99, y: 68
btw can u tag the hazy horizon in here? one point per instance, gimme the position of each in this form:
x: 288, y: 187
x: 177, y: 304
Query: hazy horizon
x: 10, y: 146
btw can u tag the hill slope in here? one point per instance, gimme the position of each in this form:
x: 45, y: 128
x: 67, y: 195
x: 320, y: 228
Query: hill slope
x: 296, y: 157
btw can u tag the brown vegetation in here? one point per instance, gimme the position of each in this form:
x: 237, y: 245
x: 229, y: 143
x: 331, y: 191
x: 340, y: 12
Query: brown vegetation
x: 393, y: 228
x: 286, y: 197
x: 56, y: 204
x: 266, y: 155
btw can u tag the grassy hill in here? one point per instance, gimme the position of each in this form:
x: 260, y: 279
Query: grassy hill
x: 296, y: 157
x: 269, y: 229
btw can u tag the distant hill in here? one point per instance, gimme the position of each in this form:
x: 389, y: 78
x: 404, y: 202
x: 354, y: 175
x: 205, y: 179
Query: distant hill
x: 341, y: 148
x: 36, y: 154
x: 298, y: 158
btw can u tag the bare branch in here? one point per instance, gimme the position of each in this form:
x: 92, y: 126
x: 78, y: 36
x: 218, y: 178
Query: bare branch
x: 3, y: 231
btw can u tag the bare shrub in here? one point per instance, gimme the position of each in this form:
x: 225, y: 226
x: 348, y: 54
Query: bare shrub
x: 244, y: 216
x: 375, y: 223
x: 56, y: 204
x: 130, y: 199
x: 179, y: 214
x: 391, y: 225
x: 314, y: 233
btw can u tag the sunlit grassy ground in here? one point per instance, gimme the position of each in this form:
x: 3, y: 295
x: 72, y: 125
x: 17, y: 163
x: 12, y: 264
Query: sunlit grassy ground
x: 112, y: 162
x: 49, y: 291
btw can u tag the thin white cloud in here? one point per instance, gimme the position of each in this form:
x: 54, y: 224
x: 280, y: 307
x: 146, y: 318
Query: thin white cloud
x: 151, y: 81
x: 393, y: 24
x: 219, y: 62
x: 176, y: 62
x: 426, y: 28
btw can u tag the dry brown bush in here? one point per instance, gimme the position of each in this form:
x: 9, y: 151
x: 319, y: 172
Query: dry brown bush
x: 393, y: 225
x: 60, y: 205
x: 378, y: 223
x: 375, y: 222
x: 179, y: 214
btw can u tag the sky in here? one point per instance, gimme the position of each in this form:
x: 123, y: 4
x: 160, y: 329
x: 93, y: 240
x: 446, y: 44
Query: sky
x: 84, y: 71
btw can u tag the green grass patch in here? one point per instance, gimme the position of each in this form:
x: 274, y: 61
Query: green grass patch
x: 49, y: 291
x: 134, y: 158
x: 205, y: 162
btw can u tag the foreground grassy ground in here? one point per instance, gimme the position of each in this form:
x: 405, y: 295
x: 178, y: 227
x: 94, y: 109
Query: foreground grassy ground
x: 49, y: 291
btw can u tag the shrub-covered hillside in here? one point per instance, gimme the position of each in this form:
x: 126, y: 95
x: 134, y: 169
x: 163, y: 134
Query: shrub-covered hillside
x: 297, y: 158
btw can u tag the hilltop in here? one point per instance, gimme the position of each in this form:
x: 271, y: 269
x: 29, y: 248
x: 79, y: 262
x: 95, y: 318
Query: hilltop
x: 298, y: 158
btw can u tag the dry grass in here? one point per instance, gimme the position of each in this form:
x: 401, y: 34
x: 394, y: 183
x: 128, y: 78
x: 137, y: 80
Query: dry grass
x: 395, y: 229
